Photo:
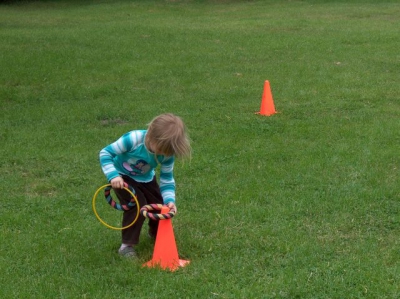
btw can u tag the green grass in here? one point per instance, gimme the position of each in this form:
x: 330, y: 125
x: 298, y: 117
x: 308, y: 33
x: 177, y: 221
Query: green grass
x: 302, y: 204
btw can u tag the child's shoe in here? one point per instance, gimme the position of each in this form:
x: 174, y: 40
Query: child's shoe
x: 128, y: 251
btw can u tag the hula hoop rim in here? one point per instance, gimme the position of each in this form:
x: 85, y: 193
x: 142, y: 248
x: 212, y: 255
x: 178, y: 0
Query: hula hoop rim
x: 105, y: 223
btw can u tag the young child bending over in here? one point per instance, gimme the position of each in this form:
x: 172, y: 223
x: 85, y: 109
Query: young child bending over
x: 133, y: 159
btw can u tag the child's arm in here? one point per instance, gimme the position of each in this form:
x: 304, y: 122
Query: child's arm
x: 167, y: 181
x: 108, y: 154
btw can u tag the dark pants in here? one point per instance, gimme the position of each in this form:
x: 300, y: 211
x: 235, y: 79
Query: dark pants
x: 146, y: 193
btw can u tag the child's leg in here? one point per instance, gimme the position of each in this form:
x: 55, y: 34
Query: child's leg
x: 153, y: 196
x: 146, y: 193
x: 130, y: 235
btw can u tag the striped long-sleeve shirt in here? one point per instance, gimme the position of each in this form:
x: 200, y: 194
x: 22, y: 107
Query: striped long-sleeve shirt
x: 129, y: 156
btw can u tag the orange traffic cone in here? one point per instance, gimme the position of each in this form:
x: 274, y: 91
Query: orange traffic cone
x: 165, y: 254
x: 267, y: 103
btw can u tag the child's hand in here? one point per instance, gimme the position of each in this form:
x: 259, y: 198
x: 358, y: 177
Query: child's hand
x: 171, y: 205
x: 117, y: 183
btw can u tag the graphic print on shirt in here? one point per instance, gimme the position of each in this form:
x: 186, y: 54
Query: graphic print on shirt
x: 136, y: 167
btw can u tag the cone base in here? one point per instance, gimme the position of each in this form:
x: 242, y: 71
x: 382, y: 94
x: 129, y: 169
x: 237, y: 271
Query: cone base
x: 170, y: 265
x: 266, y: 113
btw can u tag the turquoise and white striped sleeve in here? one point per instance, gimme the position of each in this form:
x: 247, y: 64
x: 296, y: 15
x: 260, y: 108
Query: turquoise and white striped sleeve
x: 167, y: 182
x: 108, y: 154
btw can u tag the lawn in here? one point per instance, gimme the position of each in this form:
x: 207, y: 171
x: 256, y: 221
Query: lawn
x: 300, y: 204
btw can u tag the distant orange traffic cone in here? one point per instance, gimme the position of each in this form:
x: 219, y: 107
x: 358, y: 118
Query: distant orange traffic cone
x: 267, y: 103
x: 165, y: 254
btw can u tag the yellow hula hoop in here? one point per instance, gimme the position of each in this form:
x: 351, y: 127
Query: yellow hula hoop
x: 105, y: 223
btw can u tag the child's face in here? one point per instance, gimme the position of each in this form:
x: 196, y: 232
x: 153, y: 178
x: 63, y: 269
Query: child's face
x: 153, y: 148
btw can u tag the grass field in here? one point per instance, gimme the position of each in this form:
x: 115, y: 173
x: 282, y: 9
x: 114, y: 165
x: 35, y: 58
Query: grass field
x: 301, y: 204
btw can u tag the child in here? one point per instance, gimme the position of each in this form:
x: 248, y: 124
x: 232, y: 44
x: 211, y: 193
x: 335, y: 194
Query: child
x: 133, y: 159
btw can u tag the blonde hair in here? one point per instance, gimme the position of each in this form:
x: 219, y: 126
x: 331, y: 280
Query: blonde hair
x: 167, y: 133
